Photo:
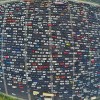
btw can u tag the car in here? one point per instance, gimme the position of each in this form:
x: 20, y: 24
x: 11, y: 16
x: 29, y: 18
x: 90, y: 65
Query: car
x: 10, y: 84
x: 13, y: 94
x: 14, y: 87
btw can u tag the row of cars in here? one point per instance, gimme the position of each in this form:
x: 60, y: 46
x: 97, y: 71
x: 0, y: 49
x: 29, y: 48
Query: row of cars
x: 52, y: 50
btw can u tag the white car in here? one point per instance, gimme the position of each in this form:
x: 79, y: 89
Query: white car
x: 0, y: 81
x: 9, y: 84
x: 22, y: 91
x: 13, y: 94
x: 14, y: 87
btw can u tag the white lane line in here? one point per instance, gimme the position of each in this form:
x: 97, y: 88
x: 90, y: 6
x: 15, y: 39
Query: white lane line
x: 50, y: 47
x: 28, y: 90
x: 73, y: 47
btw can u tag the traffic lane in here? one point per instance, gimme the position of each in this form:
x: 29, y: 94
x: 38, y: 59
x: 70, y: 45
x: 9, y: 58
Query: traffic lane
x: 18, y: 92
x: 2, y: 89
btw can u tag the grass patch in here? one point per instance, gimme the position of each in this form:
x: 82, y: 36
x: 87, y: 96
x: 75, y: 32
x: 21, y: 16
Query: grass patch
x: 5, y: 97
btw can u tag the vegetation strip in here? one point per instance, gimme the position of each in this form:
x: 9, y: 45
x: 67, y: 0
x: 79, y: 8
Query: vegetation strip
x: 7, y: 97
